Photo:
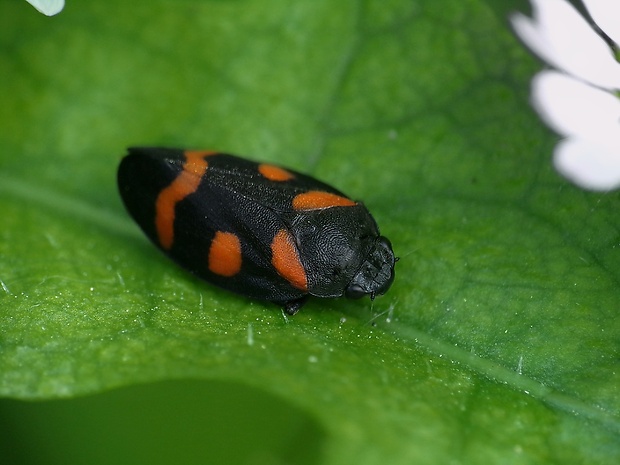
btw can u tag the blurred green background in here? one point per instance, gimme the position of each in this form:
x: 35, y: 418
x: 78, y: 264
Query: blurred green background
x: 169, y: 422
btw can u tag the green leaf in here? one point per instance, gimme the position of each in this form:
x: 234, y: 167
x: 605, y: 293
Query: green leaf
x: 499, y: 341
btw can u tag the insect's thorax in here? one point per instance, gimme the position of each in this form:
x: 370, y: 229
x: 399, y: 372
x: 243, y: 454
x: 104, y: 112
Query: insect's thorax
x: 333, y: 246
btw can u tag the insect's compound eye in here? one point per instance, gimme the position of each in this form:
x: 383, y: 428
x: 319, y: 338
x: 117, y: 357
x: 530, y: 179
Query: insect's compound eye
x: 355, y: 291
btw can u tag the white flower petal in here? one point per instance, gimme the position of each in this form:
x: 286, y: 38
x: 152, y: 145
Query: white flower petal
x: 531, y: 34
x: 587, y: 165
x: 573, y: 108
x: 48, y: 7
x: 564, y: 39
x: 606, y: 15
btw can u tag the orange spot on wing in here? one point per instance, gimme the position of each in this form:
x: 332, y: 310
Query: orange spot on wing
x: 274, y: 173
x: 286, y: 261
x: 183, y: 185
x: 198, y: 153
x: 314, y: 200
x: 225, y: 254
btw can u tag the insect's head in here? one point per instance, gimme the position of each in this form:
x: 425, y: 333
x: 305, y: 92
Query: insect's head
x: 376, y: 274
